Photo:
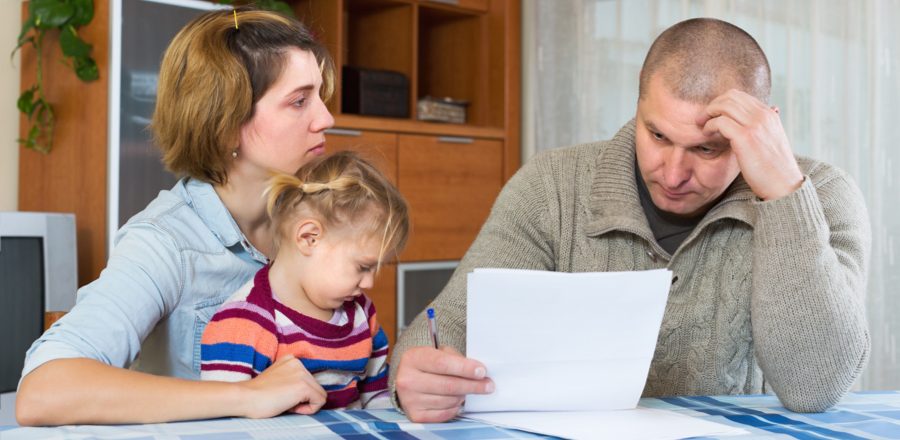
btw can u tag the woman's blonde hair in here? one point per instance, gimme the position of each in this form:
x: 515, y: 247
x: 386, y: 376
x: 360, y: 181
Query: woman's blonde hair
x: 212, y: 75
x: 340, y: 189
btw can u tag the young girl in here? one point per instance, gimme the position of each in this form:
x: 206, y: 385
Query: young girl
x: 336, y: 221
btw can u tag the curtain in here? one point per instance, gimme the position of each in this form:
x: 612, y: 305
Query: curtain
x: 835, y: 77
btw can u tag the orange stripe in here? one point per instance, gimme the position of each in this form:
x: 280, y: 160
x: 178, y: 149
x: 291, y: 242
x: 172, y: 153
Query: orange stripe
x: 304, y: 349
x: 240, y: 331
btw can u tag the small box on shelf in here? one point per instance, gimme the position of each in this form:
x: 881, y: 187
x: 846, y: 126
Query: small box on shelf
x: 441, y: 110
x: 375, y: 92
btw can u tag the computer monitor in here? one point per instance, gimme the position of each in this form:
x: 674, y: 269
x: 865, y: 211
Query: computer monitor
x: 38, y: 273
x: 417, y: 285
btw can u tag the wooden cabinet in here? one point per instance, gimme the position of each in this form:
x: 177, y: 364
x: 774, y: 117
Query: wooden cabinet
x: 463, y: 49
x: 450, y: 184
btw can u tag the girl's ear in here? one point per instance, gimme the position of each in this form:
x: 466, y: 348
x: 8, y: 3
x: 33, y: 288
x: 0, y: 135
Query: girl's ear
x: 306, y: 235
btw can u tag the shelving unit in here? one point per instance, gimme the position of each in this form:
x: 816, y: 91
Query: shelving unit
x: 450, y: 173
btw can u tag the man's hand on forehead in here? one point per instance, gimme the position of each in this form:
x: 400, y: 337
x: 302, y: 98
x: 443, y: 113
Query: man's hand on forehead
x: 758, y: 140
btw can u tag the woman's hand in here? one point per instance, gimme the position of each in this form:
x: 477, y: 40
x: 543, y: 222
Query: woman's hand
x: 432, y: 384
x: 285, y: 385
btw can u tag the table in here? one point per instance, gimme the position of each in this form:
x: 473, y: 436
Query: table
x: 866, y: 415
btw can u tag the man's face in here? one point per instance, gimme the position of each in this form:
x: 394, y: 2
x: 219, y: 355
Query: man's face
x: 685, y: 171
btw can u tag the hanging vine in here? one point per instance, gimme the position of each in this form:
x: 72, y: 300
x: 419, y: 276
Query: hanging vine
x: 64, y: 16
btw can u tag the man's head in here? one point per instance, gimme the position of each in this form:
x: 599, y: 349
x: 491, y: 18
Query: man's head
x: 689, y: 65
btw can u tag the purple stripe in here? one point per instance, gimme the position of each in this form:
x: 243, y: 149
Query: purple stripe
x: 382, y: 352
x: 327, y: 343
x: 341, y: 398
x: 380, y: 384
x: 246, y: 315
x: 245, y: 369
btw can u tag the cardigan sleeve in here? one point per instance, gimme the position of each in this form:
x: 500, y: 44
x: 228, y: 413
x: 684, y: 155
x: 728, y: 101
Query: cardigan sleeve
x: 810, y: 261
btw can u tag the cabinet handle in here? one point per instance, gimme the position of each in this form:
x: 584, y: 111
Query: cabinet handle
x: 455, y: 139
x: 343, y: 132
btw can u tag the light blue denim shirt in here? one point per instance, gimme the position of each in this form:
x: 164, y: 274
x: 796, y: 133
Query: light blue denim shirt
x: 173, y: 264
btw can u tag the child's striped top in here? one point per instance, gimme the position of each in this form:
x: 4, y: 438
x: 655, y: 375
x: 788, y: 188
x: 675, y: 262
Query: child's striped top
x: 347, y: 355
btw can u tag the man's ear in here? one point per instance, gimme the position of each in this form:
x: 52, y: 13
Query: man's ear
x: 306, y: 235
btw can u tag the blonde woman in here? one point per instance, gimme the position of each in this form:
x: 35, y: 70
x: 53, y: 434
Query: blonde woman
x: 234, y: 103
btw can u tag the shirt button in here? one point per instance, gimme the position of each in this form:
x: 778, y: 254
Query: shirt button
x: 652, y: 255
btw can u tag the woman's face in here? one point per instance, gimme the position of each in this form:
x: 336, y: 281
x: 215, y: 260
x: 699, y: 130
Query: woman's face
x: 289, y: 121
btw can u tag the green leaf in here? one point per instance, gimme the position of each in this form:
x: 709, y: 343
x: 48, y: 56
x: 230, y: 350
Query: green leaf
x: 27, y: 25
x: 50, y: 13
x: 72, y: 45
x: 276, y: 6
x: 84, y: 12
x: 25, y: 103
x: 86, y: 69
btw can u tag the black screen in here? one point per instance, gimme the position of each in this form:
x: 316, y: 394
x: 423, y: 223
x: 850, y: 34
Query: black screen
x: 21, y: 304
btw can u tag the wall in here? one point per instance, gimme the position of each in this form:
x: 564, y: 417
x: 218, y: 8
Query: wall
x: 9, y: 115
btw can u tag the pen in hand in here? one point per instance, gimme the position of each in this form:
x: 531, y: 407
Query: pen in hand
x: 432, y: 325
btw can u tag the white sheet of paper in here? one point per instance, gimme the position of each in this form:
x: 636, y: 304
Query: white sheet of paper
x: 639, y: 423
x: 554, y: 341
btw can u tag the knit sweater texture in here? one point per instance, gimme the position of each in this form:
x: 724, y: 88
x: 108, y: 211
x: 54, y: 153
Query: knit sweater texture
x: 766, y: 295
x: 253, y: 329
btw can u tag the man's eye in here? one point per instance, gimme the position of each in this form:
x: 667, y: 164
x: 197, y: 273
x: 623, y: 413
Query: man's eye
x: 365, y: 268
x: 657, y: 136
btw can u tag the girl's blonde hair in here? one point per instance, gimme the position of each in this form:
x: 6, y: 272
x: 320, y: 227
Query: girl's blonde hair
x: 339, y: 189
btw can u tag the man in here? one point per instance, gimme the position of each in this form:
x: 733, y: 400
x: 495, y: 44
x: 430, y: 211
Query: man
x: 768, y: 252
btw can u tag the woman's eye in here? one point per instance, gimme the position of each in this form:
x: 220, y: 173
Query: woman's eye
x: 299, y: 103
x: 706, y: 150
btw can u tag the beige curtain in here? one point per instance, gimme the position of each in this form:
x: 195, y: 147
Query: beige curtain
x: 836, y: 78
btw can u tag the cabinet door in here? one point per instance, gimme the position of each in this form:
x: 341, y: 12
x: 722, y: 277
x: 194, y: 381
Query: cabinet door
x: 384, y: 295
x: 450, y: 184
x: 379, y: 148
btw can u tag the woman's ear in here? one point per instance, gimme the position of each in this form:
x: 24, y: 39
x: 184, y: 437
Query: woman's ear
x: 306, y: 236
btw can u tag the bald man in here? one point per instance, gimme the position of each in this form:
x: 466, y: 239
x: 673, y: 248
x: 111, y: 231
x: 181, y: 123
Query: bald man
x: 769, y: 251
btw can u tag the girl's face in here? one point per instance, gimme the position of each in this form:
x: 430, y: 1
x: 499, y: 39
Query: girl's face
x: 340, y: 265
x: 289, y: 121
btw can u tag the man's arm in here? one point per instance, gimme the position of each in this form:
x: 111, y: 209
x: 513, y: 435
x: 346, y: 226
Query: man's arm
x: 811, y: 247
x: 431, y: 384
x: 810, y: 260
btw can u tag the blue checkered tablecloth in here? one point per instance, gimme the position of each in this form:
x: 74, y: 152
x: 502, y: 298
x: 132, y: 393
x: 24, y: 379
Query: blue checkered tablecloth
x: 868, y: 415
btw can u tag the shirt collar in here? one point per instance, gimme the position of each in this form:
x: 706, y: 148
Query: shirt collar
x: 209, y: 207
x: 615, y: 203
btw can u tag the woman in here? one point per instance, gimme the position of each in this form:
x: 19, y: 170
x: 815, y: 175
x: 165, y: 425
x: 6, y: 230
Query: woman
x: 239, y: 95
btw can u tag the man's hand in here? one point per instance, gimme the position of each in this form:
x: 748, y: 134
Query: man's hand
x: 285, y: 385
x: 432, y: 384
x: 758, y: 140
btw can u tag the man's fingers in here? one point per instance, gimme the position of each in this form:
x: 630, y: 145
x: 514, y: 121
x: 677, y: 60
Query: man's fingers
x: 725, y: 126
x: 433, y: 415
x: 448, y: 362
x: 455, y: 386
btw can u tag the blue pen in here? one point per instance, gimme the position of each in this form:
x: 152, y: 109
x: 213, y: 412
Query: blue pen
x: 433, y: 327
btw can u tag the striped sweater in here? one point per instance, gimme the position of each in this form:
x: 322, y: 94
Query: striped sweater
x: 347, y: 355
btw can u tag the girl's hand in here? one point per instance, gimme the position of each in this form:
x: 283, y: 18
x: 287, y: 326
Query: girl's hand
x: 284, y: 386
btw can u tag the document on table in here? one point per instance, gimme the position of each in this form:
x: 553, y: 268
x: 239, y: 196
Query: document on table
x: 556, y: 341
x: 569, y: 353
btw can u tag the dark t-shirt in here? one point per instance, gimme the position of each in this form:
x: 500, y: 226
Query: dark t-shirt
x: 668, y: 229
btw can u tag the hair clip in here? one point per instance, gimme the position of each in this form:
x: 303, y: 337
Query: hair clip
x: 235, y: 18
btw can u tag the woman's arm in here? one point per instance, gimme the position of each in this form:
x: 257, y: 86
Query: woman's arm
x: 85, y: 391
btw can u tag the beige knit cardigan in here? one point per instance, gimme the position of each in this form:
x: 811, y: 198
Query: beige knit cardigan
x: 767, y: 296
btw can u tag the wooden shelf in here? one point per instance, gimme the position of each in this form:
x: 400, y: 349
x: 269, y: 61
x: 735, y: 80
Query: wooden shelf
x: 420, y: 127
